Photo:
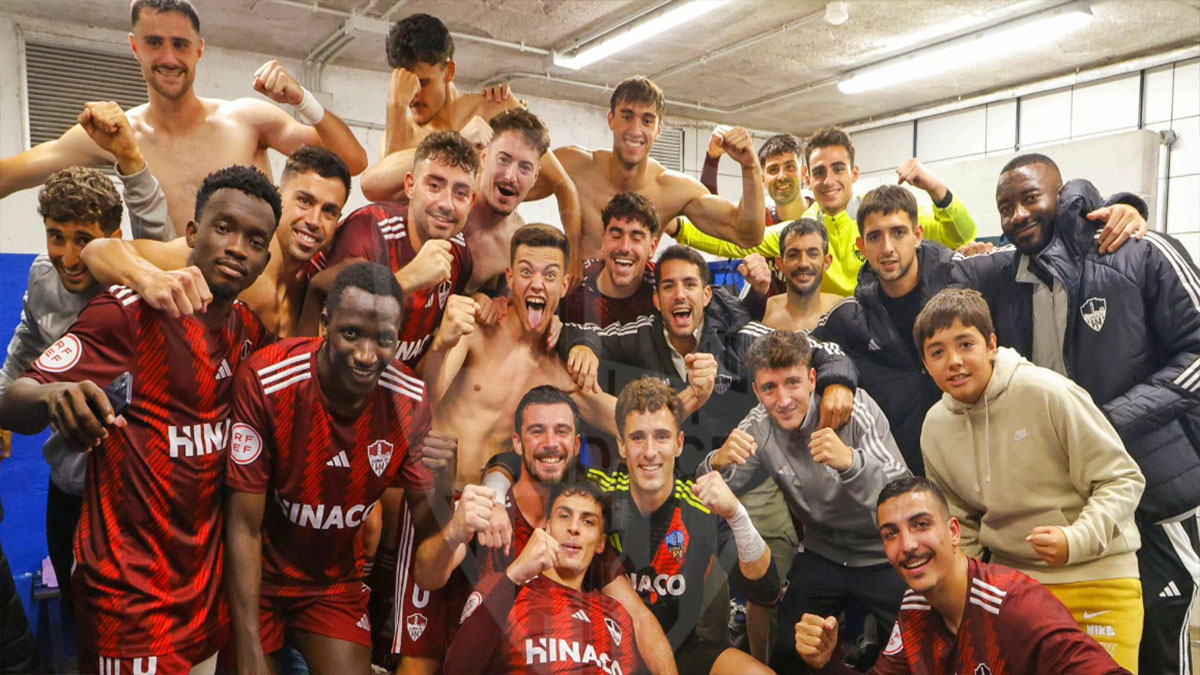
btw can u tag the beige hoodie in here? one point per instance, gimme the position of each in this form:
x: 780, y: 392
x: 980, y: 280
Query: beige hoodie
x: 1035, y: 450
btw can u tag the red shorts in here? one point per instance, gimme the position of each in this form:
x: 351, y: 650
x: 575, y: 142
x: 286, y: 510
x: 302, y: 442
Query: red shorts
x: 425, y: 621
x: 174, y: 663
x: 342, y: 617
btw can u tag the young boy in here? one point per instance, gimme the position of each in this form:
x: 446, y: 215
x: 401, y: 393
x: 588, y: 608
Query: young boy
x: 1033, y: 471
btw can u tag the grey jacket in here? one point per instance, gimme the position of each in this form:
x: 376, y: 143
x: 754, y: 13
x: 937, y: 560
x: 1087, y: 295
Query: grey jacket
x: 837, y: 509
x: 50, y: 310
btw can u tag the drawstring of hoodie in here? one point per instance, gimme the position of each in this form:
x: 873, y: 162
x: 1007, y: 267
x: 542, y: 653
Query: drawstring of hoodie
x: 987, y: 441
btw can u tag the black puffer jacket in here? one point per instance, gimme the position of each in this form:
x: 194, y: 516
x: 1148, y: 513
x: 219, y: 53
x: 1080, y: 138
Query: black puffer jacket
x: 1132, y: 340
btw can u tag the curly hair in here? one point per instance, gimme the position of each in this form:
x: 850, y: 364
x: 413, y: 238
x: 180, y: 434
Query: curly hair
x: 631, y: 206
x: 449, y: 148
x: 777, y: 350
x: 82, y: 195
x: 419, y: 38
x: 246, y: 179
x: 646, y: 395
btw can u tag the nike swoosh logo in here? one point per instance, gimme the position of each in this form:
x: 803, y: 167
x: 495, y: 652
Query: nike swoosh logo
x: 1092, y: 615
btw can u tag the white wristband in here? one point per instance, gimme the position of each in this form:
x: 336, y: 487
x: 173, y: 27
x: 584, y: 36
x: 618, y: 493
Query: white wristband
x: 310, y: 109
x: 750, y: 544
x: 498, y: 481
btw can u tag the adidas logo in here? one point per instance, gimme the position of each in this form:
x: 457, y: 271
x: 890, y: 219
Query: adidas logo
x: 224, y: 370
x: 339, y: 460
x: 581, y: 615
x: 1170, y: 591
x: 873, y: 345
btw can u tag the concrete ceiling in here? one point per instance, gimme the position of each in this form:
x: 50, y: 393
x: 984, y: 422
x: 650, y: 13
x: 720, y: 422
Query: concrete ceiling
x: 809, y: 52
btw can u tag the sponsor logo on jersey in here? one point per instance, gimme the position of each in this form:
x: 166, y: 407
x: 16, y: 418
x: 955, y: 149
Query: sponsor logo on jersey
x: 1094, y: 311
x: 62, y: 355
x: 246, y: 347
x: 416, y: 625
x: 473, y: 603
x: 410, y: 349
x: 380, y: 454
x: 245, y: 443
x: 613, y: 629
x: 197, y: 440
x: 323, y: 516
x: 661, y: 584
x: 895, y: 643
x: 555, y: 650
x: 675, y: 544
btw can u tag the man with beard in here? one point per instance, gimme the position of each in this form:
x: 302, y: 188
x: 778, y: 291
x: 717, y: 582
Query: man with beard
x: 802, y: 264
x: 475, y: 374
x: 148, y: 570
x: 960, y: 615
x: 338, y: 407
x: 183, y: 136
x: 619, y: 287
x: 315, y: 185
x: 635, y: 117
x: 1063, y: 304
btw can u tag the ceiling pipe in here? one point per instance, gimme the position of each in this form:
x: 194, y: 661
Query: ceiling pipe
x: 1041, y: 86
x: 736, y: 46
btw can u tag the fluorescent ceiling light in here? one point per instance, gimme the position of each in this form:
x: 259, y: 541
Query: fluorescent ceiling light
x: 659, y: 22
x: 1037, y: 29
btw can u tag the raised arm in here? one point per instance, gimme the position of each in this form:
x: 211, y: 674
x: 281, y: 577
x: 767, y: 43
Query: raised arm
x: 155, y: 270
x: 742, y: 224
x: 32, y: 167
x: 277, y: 129
x: 950, y: 223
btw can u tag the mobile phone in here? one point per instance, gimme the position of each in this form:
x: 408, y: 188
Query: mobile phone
x: 119, y: 393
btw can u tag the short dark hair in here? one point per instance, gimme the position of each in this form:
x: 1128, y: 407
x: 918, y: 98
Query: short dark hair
x: 83, y: 195
x: 538, y: 235
x: 246, y: 179
x: 631, y: 206
x: 907, y: 484
x: 370, y: 277
x: 545, y: 394
x: 679, y: 252
x: 646, y: 395
x: 780, y: 349
x: 321, y: 161
x: 449, y: 148
x: 779, y: 144
x: 585, y: 488
x: 826, y: 137
x: 885, y: 200
x: 801, y: 227
x: 965, y: 305
x: 419, y: 38
x: 184, y: 7
x: 1028, y: 159
x: 526, y: 123
x: 638, y: 89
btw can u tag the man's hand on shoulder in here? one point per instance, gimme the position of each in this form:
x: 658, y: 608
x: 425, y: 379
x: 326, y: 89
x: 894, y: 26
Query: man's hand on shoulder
x: 106, y: 124
x: 837, y: 404
x: 582, y: 366
x: 1121, y: 221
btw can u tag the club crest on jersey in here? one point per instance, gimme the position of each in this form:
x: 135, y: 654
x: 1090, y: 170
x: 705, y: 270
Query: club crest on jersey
x: 380, y: 454
x: 416, y: 625
x: 245, y: 444
x: 246, y: 346
x: 983, y: 669
x: 62, y: 355
x: 1094, y: 312
x: 895, y: 643
x: 473, y: 603
x: 614, y: 630
x: 675, y: 544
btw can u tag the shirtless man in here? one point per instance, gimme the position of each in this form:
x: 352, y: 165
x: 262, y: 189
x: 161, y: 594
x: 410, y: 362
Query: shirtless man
x: 315, y: 185
x: 185, y: 137
x: 636, y: 117
x: 802, y: 263
x: 422, y: 98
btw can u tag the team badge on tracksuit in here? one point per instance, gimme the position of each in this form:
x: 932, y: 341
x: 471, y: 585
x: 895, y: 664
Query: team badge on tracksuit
x: 1094, y: 311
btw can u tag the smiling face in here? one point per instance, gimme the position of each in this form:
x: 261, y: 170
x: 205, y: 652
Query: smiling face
x: 919, y: 537
x: 1027, y: 198
x: 361, y: 339
x: 510, y: 168
x: 547, y: 441
x: 781, y: 175
x: 64, y: 244
x: 803, y: 262
x: 312, y: 206
x: 577, y: 523
x: 960, y: 361
x: 537, y: 281
x: 167, y: 49
x: 230, y: 243
x: 681, y: 297
x: 649, y: 445
x: 626, y: 250
x: 635, y: 127
x: 439, y: 198
x: 831, y: 177
x: 785, y: 393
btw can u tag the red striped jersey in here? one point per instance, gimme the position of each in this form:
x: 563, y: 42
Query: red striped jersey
x: 552, y: 628
x: 1010, y: 624
x: 586, y: 304
x: 379, y: 233
x: 148, y: 547
x: 322, y: 472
